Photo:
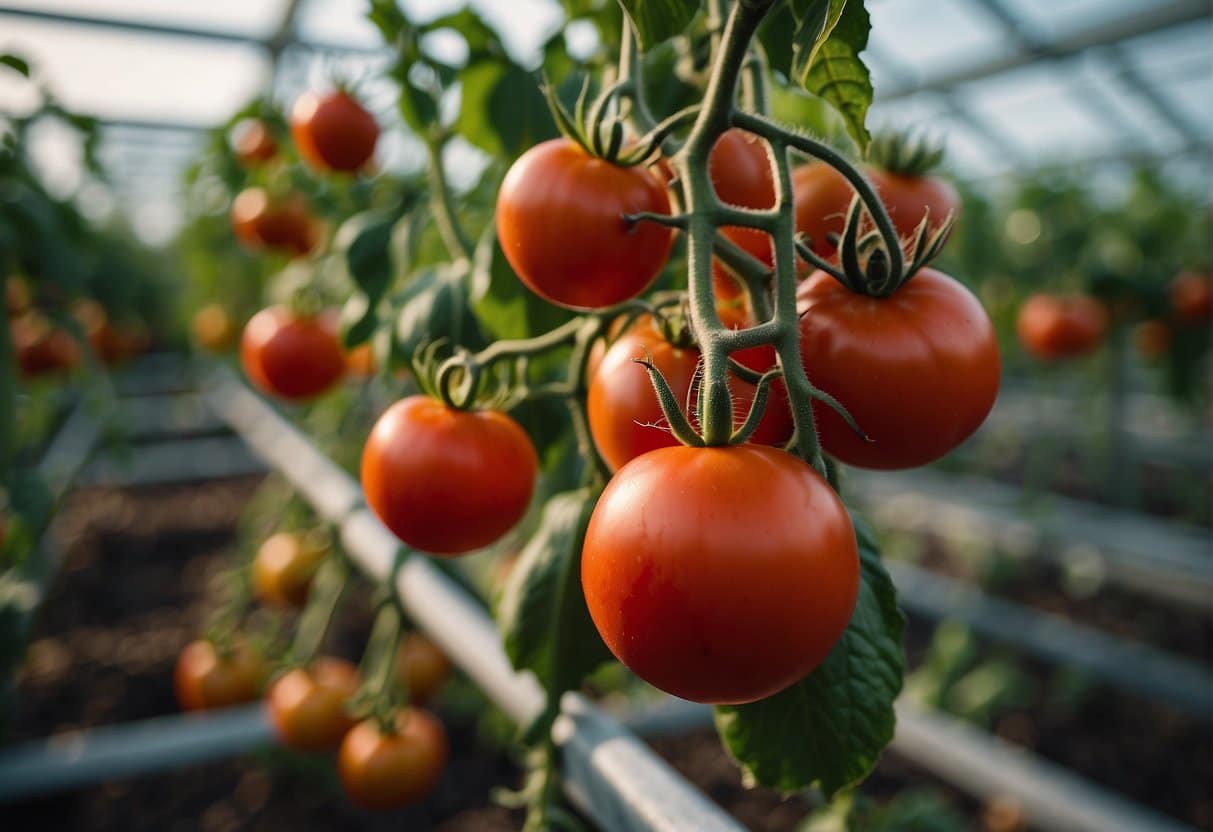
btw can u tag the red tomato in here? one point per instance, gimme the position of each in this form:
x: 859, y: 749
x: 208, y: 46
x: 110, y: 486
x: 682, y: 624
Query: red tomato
x: 333, y: 131
x: 559, y: 221
x: 625, y: 418
x: 285, y: 225
x: 253, y: 142
x: 447, y: 481
x: 1152, y: 338
x: 40, y: 347
x: 214, y: 329
x: 290, y: 356
x: 283, y: 568
x: 909, y: 198
x: 720, y: 575
x: 388, y: 771
x: 1192, y: 298
x: 919, y: 370
x: 421, y: 668
x: 741, y: 174
x: 206, y: 679
x: 307, y: 705
x: 1052, y: 327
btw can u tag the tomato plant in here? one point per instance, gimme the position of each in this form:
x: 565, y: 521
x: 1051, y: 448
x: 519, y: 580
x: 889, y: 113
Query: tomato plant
x: 293, y: 356
x: 307, y: 705
x: 210, y: 675
x: 389, y: 767
x: 444, y: 480
x: 333, y: 131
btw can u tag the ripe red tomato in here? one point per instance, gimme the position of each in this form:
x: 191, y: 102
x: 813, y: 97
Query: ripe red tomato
x: 823, y: 195
x: 1192, y: 298
x: 1052, y: 327
x: 360, y: 361
x: 388, y: 771
x: 447, y: 481
x: 283, y: 568
x: 919, y: 370
x: 292, y: 356
x: 42, y: 348
x: 560, y: 225
x: 625, y: 418
x: 307, y: 705
x: 253, y: 142
x: 1152, y: 338
x: 421, y: 667
x: 720, y: 575
x: 333, y: 131
x: 286, y: 225
x: 740, y: 170
x: 205, y: 679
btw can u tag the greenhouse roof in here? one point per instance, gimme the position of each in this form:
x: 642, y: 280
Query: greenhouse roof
x: 1009, y: 84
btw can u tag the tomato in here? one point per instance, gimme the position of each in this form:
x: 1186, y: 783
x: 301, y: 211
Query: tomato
x: 625, y: 418
x: 206, y: 679
x: 1192, y: 298
x: 823, y: 196
x: 1052, y: 327
x: 292, y: 356
x: 447, y: 481
x: 421, y: 667
x: 720, y: 575
x: 388, y: 771
x: 918, y: 371
x: 559, y: 223
x: 333, y: 131
x: 286, y: 225
x: 253, y: 142
x: 213, y: 328
x: 1153, y: 339
x: 40, y: 347
x: 740, y: 170
x: 283, y: 568
x: 360, y: 361
x: 107, y: 343
x: 307, y: 705
x: 16, y: 297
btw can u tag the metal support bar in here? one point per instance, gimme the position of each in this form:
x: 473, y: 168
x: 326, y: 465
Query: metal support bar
x: 610, y: 774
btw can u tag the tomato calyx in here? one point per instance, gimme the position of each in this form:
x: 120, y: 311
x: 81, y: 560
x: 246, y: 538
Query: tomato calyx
x: 904, y: 153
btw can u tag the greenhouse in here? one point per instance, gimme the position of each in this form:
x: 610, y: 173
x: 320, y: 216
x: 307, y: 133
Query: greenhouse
x: 641, y: 415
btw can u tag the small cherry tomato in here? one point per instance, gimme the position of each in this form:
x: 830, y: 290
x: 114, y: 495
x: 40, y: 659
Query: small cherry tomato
x: 292, y: 356
x: 206, y: 678
x: 213, y: 328
x: 560, y: 224
x: 447, y: 481
x: 333, y: 131
x: 391, y: 770
x: 253, y: 142
x: 1052, y: 327
x: 740, y: 169
x: 918, y: 370
x: 41, y: 347
x: 421, y: 667
x: 720, y: 575
x: 285, y: 225
x: 1192, y: 298
x: 307, y: 706
x: 284, y: 566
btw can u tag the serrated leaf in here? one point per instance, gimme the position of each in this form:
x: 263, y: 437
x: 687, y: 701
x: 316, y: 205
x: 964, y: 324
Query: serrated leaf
x: 544, y: 621
x: 657, y: 20
x: 825, y: 60
x: 830, y: 728
x: 505, y: 307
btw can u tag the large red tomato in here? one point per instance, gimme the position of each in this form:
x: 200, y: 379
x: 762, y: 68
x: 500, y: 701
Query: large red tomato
x: 1052, y: 327
x: 625, y: 418
x: 559, y: 221
x: 206, y: 678
x: 390, y: 770
x: 447, y: 481
x: 307, y: 706
x: 918, y: 370
x: 741, y: 175
x: 292, y: 356
x: 720, y: 575
x: 333, y: 131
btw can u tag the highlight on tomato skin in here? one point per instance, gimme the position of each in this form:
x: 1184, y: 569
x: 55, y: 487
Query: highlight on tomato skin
x: 560, y: 225
x: 720, y: 575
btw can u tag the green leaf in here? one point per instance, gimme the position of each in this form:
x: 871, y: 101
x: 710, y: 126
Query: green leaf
x: 505, y: 307
x: 544, y: 621
x: 418, y: 107
x: 830, y: 728
x: 502, y: 110
x: 436, y: 306
x: 15, y: 63
x: 363, y: 242
x: 658, y: 20
x: 825, y: 60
